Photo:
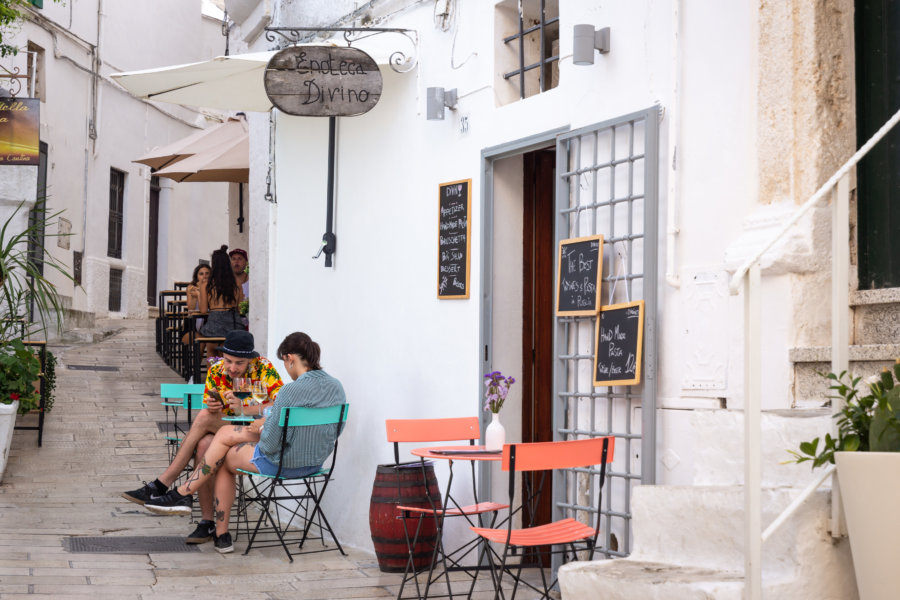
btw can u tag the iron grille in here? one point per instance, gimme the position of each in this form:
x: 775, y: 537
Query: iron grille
x: 607, y: 184
x: 115, y: 290
x: 536, y: 61
x: 116, y: 213
x: 76, y: 266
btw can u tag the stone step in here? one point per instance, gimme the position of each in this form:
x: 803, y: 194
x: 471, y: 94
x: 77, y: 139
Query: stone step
x: 811, y: 389
x: 876, y: 316
x: 689, y: 543
x: 706, y: 447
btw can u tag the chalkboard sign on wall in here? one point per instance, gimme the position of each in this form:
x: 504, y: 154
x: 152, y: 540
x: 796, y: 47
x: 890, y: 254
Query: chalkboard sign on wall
x: 454, y: 205
x: 578, y: 276
x: 617, y: 344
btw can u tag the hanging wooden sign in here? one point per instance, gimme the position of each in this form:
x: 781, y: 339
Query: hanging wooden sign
x: 618, y: 343
x: 323, y: 81
x: 454, y: 206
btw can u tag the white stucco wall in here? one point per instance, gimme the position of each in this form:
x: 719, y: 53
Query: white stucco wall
x: 88, y: 132
x: 401, y: 352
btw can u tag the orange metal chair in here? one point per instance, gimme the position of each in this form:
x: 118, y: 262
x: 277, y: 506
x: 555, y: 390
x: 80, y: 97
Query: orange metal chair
x: 547, y: 456
x: 439, y: 430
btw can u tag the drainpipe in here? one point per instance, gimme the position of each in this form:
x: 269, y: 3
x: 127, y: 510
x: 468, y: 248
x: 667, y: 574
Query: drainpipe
x: 672, y: 229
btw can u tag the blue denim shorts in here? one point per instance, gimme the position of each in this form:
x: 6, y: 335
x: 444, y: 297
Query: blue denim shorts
x: 267, y: 467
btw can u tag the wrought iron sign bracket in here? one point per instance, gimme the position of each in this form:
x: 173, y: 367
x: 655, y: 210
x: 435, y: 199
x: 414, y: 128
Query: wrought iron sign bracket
x: 15, y: 86
x: 398, y: 60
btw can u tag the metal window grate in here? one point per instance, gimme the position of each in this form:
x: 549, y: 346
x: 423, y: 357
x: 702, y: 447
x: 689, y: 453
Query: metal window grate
x: 116, y: 213
x: 115, y: 290
x: 607, y: 184
x: 76, y: 266
x: 537, y: 46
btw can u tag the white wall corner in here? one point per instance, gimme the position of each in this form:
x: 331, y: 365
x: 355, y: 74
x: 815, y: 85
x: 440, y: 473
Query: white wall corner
x: 803, y: 248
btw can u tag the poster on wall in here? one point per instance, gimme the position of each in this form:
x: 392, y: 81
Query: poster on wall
x: 618, y: 343
x: 20, y: 123
x: 454, y: 205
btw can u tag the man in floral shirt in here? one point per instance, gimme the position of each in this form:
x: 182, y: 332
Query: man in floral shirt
x: 239, y: 359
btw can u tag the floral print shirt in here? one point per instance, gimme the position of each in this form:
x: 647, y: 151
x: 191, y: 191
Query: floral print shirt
x: 260, y: 369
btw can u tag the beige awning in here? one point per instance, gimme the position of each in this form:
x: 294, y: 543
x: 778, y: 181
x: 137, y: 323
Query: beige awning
x: 228, y: 162
x: 209, y: 139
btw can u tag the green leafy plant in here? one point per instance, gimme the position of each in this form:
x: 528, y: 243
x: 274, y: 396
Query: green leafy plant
x: 866, y: 423
x: 10, y: 15
x: 22, y: 276
x: 19, y: 370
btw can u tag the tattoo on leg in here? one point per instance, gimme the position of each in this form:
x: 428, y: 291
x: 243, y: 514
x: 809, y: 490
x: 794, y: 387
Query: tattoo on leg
x: 220, y: 514
x: 239, y: 428
x: 239, y: 446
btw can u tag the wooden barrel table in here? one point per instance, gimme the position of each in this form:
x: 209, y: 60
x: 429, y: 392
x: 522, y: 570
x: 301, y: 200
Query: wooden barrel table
x: 405, y: 485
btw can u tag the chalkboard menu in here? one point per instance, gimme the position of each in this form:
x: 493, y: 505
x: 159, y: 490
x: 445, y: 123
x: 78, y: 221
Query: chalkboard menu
x: 617, y: 345
x: 578, y: 276
x: 454, y: 204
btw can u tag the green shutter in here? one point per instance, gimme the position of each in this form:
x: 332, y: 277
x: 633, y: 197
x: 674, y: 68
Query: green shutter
x: 37, y: 3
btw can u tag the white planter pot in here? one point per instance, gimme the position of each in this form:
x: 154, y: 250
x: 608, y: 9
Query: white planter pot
x: 870, y: 487
x: 7, y: 423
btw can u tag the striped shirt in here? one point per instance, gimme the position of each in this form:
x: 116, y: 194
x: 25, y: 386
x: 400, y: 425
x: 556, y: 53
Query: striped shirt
x: 306, y: 446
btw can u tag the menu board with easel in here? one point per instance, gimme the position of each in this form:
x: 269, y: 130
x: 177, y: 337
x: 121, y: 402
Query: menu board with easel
x: 617, y: 344
x: 578, y: 276
x: 454, y: 204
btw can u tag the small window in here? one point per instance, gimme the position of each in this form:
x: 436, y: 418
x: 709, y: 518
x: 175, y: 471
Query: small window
x: 116, y: 213
x: 36, y: 77
x: 115, y: 290
x: 527, y: 48
x: 76, y: 267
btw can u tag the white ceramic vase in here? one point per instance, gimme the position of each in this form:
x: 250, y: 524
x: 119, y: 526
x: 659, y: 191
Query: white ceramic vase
x: 869, y: 490
x: 7, y: 423
x: 494, y: 433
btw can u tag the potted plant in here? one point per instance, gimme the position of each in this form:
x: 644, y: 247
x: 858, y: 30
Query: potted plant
x: 24, y: 291
x: 19, y: 368
x: 866, y: 451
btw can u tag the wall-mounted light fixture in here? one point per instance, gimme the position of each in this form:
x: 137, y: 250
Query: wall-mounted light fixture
x: 586, y: 40
x: 438, y: 99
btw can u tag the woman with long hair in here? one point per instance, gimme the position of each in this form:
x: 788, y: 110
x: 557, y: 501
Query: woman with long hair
x: 220, y: 298
x: 253, y: 448
x: 198, y: 280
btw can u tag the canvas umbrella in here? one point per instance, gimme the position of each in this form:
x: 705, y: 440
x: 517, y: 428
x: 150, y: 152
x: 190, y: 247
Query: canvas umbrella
x: 206, y: 140
x: 230, y: 162
x: 233, y: 82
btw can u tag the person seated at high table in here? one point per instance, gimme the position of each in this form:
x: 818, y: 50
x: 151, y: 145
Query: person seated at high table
x: 257, y: 446
x: 198, y: 280
x: 220, y: 297
x: 239, y: 360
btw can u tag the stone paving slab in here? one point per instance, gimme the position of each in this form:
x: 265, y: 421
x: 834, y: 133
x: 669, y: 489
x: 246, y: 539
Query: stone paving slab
x: 101, y: 439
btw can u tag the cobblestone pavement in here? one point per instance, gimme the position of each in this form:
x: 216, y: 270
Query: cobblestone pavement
x: 100, y: 439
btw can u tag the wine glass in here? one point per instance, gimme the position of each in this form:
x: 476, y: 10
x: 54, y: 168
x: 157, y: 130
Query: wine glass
x: 240, y: 386
x: 259, y: 391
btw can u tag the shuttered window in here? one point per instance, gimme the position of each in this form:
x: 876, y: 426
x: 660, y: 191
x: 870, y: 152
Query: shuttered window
x: 116, y: 213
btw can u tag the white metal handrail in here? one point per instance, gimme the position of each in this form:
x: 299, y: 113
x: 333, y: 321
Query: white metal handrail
x: 748, y: 276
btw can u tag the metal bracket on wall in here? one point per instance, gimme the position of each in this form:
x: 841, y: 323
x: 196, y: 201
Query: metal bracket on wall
x: 15, y: 86
x: 398, y: 61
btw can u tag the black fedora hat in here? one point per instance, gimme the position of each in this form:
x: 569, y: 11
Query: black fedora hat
x: 238, y: 343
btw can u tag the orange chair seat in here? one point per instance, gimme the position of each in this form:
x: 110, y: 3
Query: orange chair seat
x: 559, y: 532
x: 472, y: 509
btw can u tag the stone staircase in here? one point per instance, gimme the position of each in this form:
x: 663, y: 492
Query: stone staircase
x: 688, y: 544
x: 875, y: 344
x: 688, y: 540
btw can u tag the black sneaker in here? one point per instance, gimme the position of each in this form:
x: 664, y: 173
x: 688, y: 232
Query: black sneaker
x: 171, y: 503
x: 150, y: 491
x: 223, y: 543
x: 205, y: 531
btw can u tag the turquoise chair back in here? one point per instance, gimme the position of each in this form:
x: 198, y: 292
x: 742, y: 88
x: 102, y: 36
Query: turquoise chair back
x: 303, y: 415
x: 189, y: 395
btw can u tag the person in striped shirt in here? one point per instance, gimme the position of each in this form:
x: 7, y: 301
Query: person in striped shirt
x: 256, y: 447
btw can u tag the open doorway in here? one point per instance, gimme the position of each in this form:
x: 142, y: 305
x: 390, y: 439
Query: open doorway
x: 522, y: 302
